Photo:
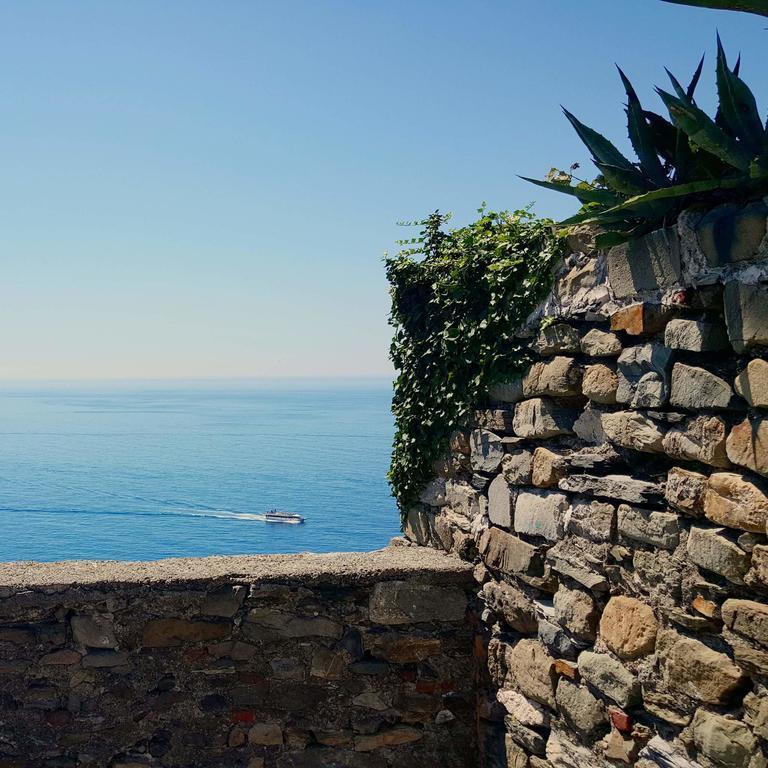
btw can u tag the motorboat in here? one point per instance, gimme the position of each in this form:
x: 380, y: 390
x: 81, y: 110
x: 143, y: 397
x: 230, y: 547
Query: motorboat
x: 277, y: 516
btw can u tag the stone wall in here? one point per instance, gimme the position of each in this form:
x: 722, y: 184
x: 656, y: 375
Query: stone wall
x: 353, y: 661
x: 614, y: 502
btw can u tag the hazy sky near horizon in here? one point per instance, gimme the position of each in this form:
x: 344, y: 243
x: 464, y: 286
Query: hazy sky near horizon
x: 205, y: 189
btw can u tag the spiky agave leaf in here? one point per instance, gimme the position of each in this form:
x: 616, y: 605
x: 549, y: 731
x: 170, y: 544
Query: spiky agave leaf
x: 759, y: 7
x: 583, y: 194
x: 696, y: 77
x: 738, y: 108
x: 641, y: 135
x: 702, y: 131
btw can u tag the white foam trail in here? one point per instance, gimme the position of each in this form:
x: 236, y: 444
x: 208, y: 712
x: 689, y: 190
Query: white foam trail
x: 221, y: 513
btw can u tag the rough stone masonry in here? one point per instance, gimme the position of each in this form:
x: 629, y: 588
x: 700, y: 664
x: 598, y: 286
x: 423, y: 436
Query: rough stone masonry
x: 292, y: 661
x: 615, y: 504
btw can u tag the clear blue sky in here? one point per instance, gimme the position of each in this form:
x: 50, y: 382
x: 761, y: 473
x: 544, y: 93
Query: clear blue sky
x: 195, y: 189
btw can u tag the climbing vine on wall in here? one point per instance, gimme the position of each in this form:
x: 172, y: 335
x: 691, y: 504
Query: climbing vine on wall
x: 457, y: 299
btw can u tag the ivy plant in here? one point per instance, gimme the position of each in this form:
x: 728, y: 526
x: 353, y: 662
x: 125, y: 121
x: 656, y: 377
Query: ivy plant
x: 457, y: 298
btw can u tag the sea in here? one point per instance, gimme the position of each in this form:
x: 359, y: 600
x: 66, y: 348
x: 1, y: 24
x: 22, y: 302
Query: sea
x: 148, y: 470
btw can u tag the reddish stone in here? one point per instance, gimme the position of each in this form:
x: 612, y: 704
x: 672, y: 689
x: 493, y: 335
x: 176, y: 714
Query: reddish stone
x: 408, y: 675
x: 481, y: 649
x: 243, y: 716
x: 566, y: 669
x: 620, y: 719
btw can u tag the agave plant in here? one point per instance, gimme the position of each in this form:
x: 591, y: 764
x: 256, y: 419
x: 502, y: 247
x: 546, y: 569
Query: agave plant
x: 759, y: 7
x: 687, y: 160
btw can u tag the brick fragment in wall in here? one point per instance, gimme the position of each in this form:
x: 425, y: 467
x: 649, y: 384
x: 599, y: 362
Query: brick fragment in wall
x: 641, y: 319
x: 747, y: 444
x: 752, y: 383
x: 558, y: 377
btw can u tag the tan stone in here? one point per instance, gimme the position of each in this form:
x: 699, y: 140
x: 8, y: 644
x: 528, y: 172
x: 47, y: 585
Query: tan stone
x: 734, y: 501
x: 266, y: 735
x: 747, y: 445
x: 532, y: 669
x: 547, y: 468
x: 694, y: 669
x: 701, y: 438
x: 628, y: 627
x: 600, y: 344
x: 726, y: 742
x: 165, y: 633
x: 391, y: 737
x: 64, y: 657
x: 685, y: 491
x: 509, y: 554
x: 559, y: 377
x: 752, y: 383
x: 600, y: 383
x: 630, y: 429
x: 747, y: 618
x: 576, y: 611
x: 639, y: 319
x: 759, y: 570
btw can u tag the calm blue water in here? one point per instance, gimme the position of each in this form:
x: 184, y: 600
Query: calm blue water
x: 143, y: 471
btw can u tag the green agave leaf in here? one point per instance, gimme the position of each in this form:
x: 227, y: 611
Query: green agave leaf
x: 628, y: 182
x: 641, y: 136
x: 702, y: 131
x: 679, y: 90
x: 664, y: 136
x: 759, y: 7
x: 695, y: 79
x: 604, y: 196
x: 738, y: 108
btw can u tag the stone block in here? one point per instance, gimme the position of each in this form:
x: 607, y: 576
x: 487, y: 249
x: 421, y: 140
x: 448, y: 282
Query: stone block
x: 540, y: 513
x: 759, y: 572
x: 684, y: 491
x: 726, y: 743
x: 588, y: 427
x: 701, y: 438
x: 512, y: 605
x: 517, y: 466
x: 560, y: 643
x: 649, y: 263
x: 542, y: 418
x: 696, y: 336
x: 747, y: 444
x: 596, y: 343
x: 746, y: 315
x: 697, y: 389
x: 610, y: 677
x: 576, y: 611
x: 433, y: 494
x: 736, y: 502
x: 224, y: 601
x: 526, y: 711
x: 401, y: 602
x: 166, y: 633
x: 592, y: 520
x: 395, y: 736
x: 600, y: 383
x: 642, y: 319
x: 402, y: 647
x: 752, y: 383
x: 507, y: 391
x: 532, y: 669
x: 486, y: 450
x: 266, y: 735
x: 501, y: 502
x: 634, y: 365
x: 547, y: 468
x: 464, y: 500
x: 497, y: 420
x: 629, y: 429
x: 709, y: 549
x: 530, y: 740
x: 619, y: 487
x: 93, y: 631
x: 747, y: 618
x: 556, y: 339
x: 731, y: 233
x: 656, y: 529
x: 694, y: 669
x: 628, y: 627
x: 558, y: 377
x: 583, y: 712
x: 509, y: 554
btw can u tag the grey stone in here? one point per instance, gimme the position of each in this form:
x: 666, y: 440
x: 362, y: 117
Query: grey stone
x: 527, y: 738
x: 224, y: 601
x: 581, y: 561
x: 401, y: 602
x: 487, y: 450
x: 598, y: 343
x: 752, y: 383
x: 577, y: 612
x: 512, y: 605
x: 417, y: 526
x: 266, y: 624
x: 93, y: 631
x: 658, y: 753
x: 558, y: 641
x: 651, y: 391
x: 558, y: 377
x: 635, y: 362
x: 434, y: 493
x: 508, y: 554
x: 684, y: 491
x: 589, y: 426
x: 620, y: 487
x: 556, y: 339
x: 656, y: 529
x: 727, y: 743
x: 701, y: 438
x: 709, y: 549
x: 509, y: 391
x: 517, y: 465
x: 696, y: 336
x: 731, y: 233
x: 592, y: 520
x: 542, y: 418
x: 540, y: 513
x: 500, y: 502
x: 463, y: 499
x: 581, y: 710
x: 610, y: 677
x: 105, y: 659
x: 630, y: 429
x: 650, y: 263
x: 697, y: 389
x: 746, y: 315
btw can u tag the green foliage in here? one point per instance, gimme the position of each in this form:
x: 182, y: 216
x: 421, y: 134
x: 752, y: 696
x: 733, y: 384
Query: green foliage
x: 455, y: 312
x: 687, y: 160
x: 759, y: 7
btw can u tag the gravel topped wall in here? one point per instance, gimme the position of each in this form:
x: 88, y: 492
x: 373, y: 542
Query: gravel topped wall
x: 614, y: 503
x: 354, y: 661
